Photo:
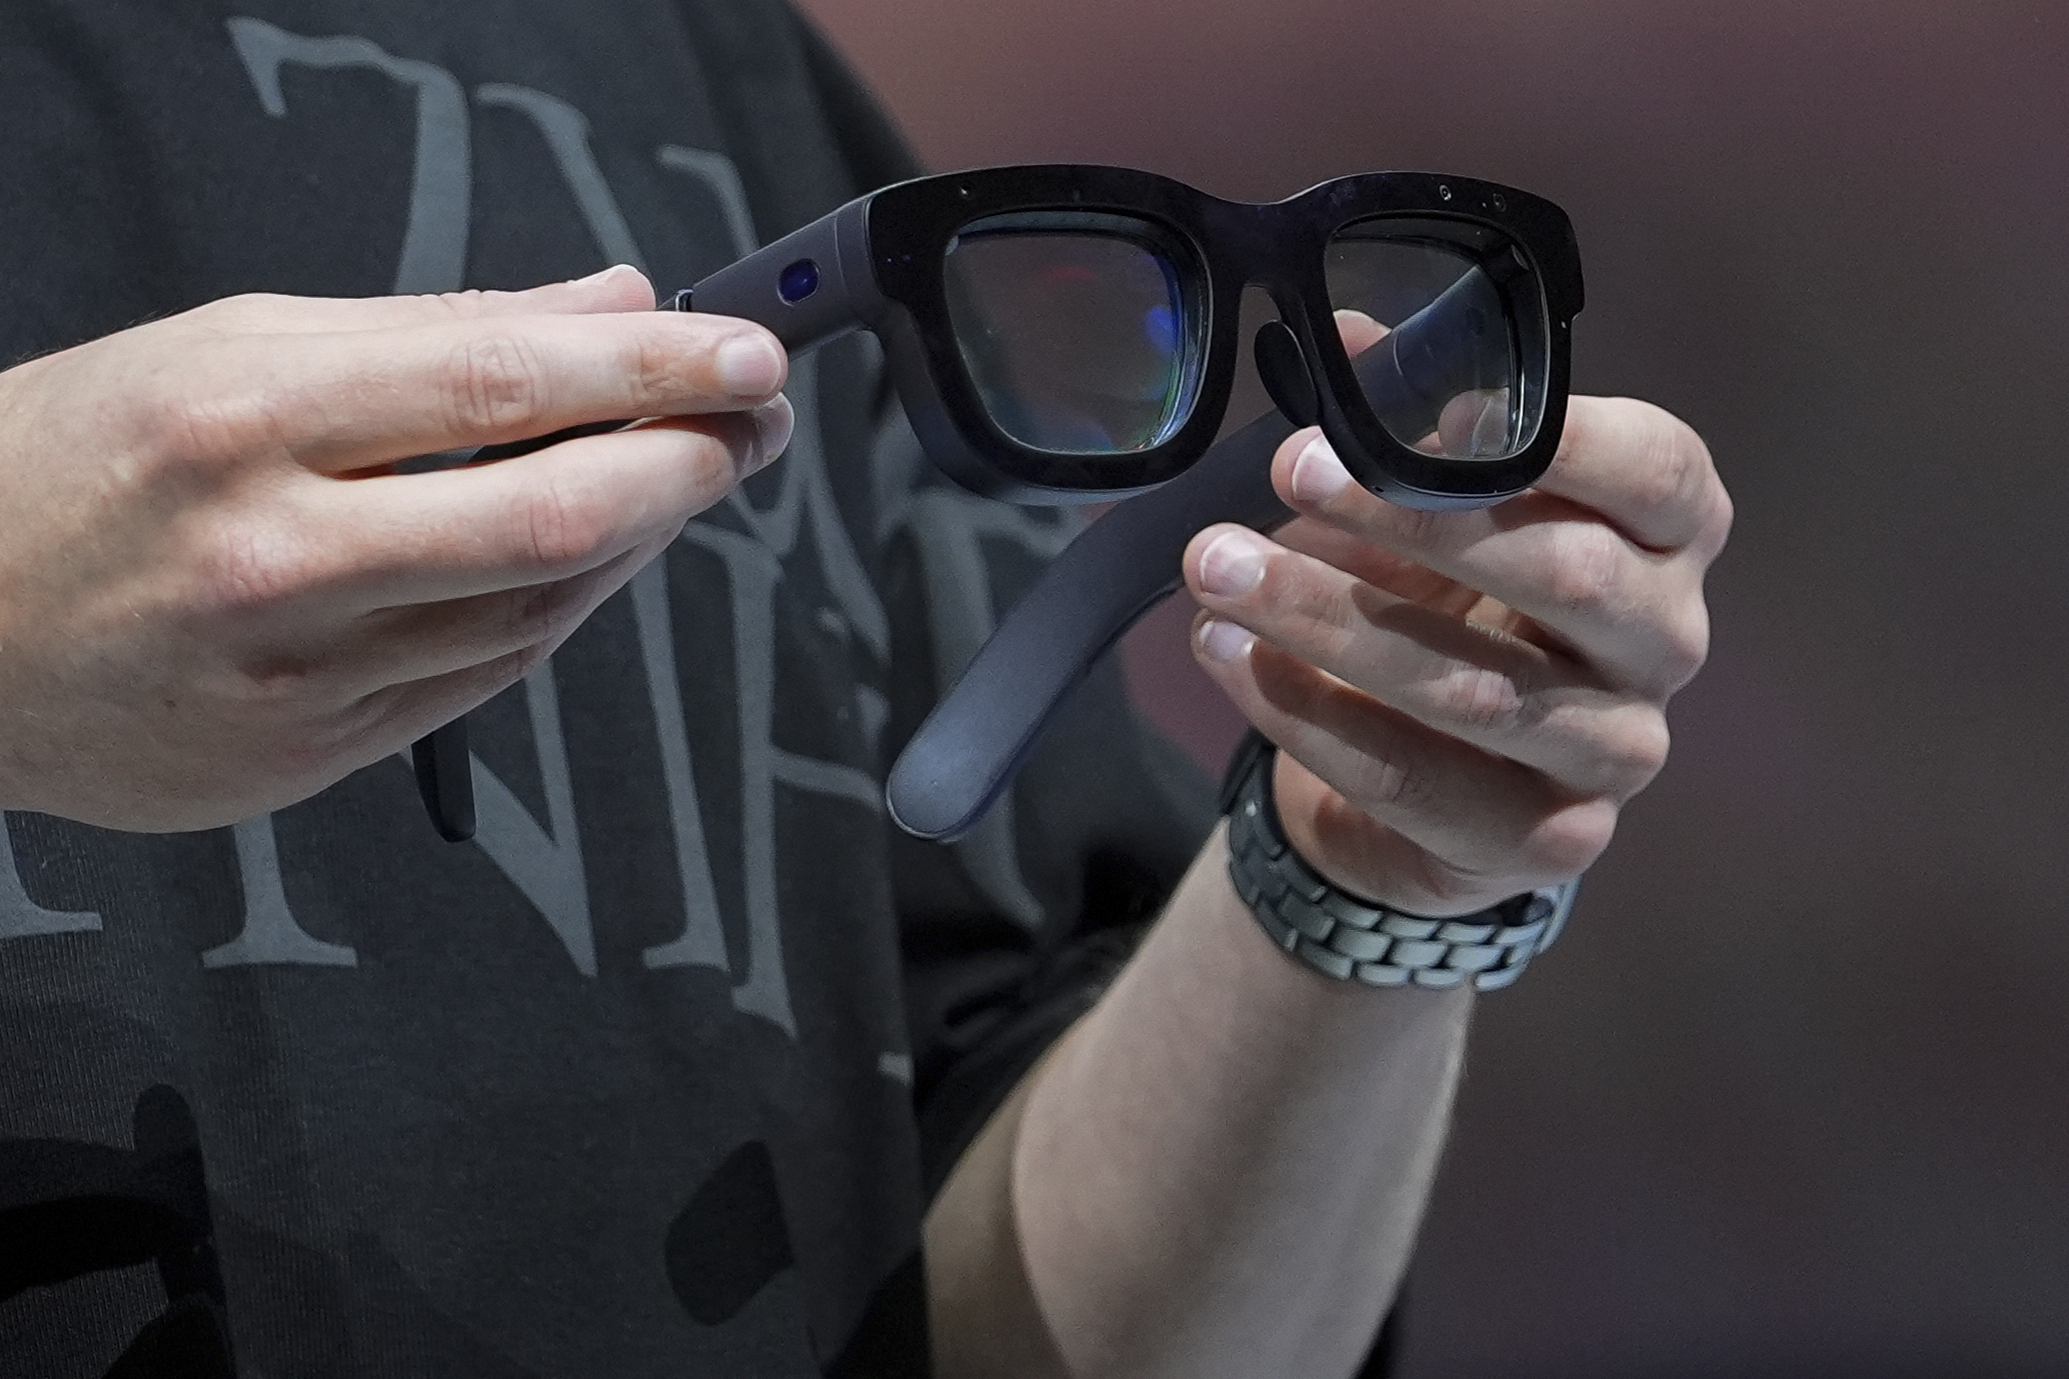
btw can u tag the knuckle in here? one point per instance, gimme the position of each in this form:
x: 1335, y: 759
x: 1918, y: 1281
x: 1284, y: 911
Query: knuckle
x: 1672, y: 465
x: 1386, y: 785
x: 715, y: 456
x: 463, y: 304
x: 657, y: 365
x: 1479, y: 699
x: 191, y: 435
x: 352, y: 729
x: 495, y: 384
x: 1303, y: 604
x: 251, y: 565
x: 1637, y: 754
x: 1416, y: 529
x: 186, y: 415
x: 1568, y: 841
x: 1677, y: 478
x: 537, y: 615
x: 563, y: 529
x: 246, y: 311
x: 1718, y: 515
x: 1586, y: 564
x: 1685, y: 647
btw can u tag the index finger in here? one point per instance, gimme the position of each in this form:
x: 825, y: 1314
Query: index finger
x: 352, y: 401
x: 1644, y: 470
x: 622, y: 288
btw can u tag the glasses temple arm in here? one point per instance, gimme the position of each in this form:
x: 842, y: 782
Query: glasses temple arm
x: 970, y: 747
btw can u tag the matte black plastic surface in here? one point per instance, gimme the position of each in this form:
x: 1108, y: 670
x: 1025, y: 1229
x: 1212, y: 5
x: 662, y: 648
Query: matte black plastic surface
x: 878, y: 261
x: 1285, y: 374
x: 967, y: 750
x: 1522, y: 244
x: 752, y: 289
x: 445, y: 779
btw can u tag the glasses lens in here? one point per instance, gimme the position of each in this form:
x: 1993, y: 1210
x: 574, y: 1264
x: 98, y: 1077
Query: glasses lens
x: 1076, y: 329
x: 1447, y: 376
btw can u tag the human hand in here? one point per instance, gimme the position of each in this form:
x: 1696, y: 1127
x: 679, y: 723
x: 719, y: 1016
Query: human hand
x: 218, y: 595
x: 1464, y: 700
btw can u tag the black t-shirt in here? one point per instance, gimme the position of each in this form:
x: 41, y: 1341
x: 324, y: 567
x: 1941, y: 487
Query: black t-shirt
x: 654, y: 1077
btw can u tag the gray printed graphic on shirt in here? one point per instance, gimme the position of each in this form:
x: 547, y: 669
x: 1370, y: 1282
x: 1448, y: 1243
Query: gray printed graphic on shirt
x: 543, y: 858
x: 441, y: 1133
x: 434, y: 247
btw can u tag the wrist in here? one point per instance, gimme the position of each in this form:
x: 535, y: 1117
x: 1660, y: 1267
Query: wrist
x: 1352, y: 938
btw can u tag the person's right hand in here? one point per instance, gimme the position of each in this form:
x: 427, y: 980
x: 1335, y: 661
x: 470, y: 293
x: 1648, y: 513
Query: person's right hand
x: 217, y: 597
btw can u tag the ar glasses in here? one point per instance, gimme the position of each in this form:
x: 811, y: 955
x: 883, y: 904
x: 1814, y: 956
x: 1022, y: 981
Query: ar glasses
x: 1067, y: 333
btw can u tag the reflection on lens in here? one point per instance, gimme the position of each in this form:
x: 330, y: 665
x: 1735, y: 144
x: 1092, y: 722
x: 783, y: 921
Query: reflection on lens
x: 1479, y: 424
x: 1447, y: 378
x: 1075, y: 337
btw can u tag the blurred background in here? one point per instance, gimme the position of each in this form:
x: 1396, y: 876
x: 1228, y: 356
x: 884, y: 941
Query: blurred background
x: 1792, y: 1097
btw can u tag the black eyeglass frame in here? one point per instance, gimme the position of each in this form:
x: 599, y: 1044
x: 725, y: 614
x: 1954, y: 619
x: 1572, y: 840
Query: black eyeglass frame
x: 876, y: 263
x: 879, y: 262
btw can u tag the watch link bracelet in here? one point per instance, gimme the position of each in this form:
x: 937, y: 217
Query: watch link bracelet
x: 1353, y: 939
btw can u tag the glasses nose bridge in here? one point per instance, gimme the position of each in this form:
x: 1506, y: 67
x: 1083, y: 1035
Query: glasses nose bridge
x: 1254, y: 249
x: 1259, y: 246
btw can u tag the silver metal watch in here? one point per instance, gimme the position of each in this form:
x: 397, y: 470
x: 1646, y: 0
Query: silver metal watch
x: 1353, y: 939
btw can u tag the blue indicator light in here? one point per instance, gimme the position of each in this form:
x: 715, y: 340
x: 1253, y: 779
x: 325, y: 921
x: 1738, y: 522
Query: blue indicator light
x: 797, y: 282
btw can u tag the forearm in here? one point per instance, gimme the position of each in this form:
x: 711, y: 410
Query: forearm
x: 1219, y: 1171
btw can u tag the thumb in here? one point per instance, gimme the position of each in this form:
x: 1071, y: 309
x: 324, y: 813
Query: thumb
x: 1360, y: 332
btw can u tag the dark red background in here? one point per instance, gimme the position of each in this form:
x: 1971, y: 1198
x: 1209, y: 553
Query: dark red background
x: 1793, y: 1096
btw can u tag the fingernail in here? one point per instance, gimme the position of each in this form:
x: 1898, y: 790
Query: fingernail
x: 749, y: 366
x: 1224, y: 641
x: 1232, y: 565
x: 773, y: 423
x: 1318, y: 475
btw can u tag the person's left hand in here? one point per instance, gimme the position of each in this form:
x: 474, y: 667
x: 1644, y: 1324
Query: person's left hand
x: 1464, y: 700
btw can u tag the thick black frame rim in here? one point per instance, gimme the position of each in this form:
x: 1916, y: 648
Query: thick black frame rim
x: 921, y: 217
x: 1361, y: 436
